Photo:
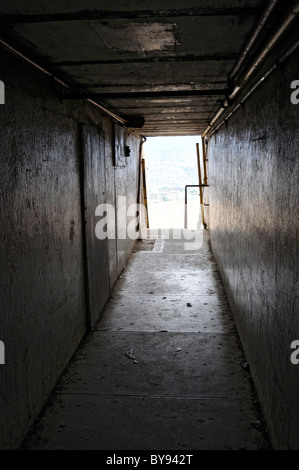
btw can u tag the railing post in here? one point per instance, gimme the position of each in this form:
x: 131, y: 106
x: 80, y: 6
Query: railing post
x: 185, y: 213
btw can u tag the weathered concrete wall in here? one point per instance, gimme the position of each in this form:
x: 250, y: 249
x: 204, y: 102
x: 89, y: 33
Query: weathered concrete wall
x: 254, y: 201
x: 42, y: 276
x: 124, y: 187
x: 120, y: 182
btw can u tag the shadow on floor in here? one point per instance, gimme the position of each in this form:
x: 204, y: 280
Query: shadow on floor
x: 164, y: 368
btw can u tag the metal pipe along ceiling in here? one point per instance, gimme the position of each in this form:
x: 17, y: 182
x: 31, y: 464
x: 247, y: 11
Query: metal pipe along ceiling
x: 14, y: 51
x: 256, y: 85
x: 251, y: 41
x: 292, y: 15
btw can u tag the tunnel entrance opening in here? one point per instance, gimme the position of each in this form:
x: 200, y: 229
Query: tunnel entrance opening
x: 171, y: 164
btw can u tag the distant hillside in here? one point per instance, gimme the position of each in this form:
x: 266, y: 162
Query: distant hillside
x: 171, y: 163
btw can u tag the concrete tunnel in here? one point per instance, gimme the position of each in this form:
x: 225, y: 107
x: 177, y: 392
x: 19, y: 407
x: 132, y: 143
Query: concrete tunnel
x: 82, y: 85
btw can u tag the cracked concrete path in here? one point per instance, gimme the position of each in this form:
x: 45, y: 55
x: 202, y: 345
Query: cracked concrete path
x: 184, y: 388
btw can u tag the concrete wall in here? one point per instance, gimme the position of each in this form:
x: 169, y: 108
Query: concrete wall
x: 42, y: 276
x: 254, y: 201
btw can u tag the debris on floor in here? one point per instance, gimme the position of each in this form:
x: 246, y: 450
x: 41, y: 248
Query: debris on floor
x: 177, y: 350
x: 130, y: 354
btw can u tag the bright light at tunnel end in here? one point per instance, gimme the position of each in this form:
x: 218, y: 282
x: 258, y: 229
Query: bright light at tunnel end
x: 125, y: 221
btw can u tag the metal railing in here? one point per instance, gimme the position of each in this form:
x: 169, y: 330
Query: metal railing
x: 186, y: 202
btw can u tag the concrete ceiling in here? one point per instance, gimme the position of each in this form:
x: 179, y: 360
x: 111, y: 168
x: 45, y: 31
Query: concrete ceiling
x: 166, y: 61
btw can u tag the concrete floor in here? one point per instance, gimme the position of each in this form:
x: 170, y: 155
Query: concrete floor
x: 186, y: 388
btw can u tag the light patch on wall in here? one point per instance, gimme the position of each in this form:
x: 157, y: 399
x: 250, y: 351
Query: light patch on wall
x: 141, y: 37
x: 2, y: 92
x: 2, y: 353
